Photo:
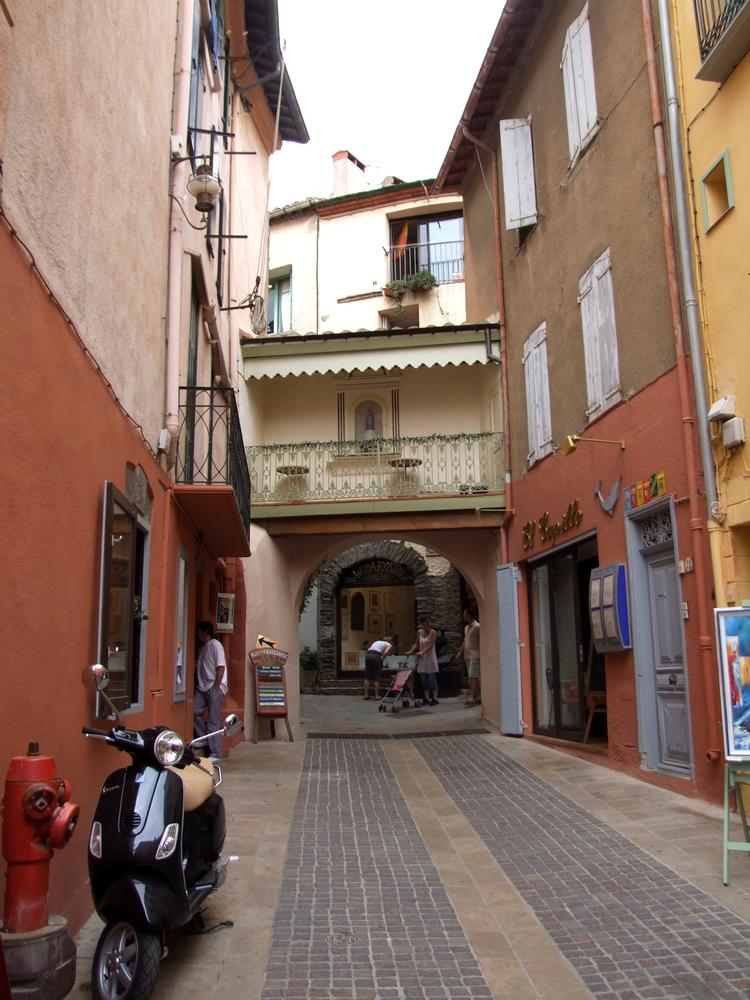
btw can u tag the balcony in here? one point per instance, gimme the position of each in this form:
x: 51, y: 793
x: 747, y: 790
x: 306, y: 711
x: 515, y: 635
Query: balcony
x: 444, y: 260
x: 211, y: 474
x: 438, y: 473
x: 723, y: 36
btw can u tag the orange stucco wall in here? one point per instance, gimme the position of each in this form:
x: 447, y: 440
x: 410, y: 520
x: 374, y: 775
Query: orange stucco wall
x: 651, y: 426
x: 62, y: 436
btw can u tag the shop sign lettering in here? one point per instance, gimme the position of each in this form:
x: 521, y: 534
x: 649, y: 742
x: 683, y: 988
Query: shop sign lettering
x: 550, y: 531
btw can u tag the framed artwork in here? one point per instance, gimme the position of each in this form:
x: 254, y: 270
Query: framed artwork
x: 389, y: 624
x: 733, y: 642
x: 374, y: 623
x: 225, y: 612
x: 375, y: 600
x: 344, y: 602
x: 390, y: 604
x: 344, y: 628
x: 351, y: 659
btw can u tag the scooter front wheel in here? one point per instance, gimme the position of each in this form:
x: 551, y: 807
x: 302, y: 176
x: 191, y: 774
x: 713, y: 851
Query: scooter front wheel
x: 126, y: 963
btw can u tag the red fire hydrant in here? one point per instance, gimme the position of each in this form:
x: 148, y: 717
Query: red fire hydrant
x: 37, y: 819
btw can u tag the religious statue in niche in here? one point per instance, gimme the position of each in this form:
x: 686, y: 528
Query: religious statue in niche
x: 368, y: 424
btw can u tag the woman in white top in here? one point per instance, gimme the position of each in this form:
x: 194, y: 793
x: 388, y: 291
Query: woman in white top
x: 427, y: 669
x: 374, y: 664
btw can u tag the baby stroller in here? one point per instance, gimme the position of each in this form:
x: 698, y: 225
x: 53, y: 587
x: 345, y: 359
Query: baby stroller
x: 401, y: 692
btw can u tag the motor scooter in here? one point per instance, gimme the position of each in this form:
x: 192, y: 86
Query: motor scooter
x: 154, y: 848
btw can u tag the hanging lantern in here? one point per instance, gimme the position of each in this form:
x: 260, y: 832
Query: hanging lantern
x: 205, y: 187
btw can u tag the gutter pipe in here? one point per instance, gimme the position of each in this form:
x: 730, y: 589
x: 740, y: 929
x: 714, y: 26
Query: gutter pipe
x: 503, y: 359
x: 684, y: 265
x: 180, y: 107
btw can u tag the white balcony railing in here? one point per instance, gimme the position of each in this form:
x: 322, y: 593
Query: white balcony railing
x: 439, y: 465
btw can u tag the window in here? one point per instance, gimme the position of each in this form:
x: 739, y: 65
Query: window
x: 195, y: 106
x: 596, y: 297
x: 280, y: 304
x: 434, y: 244
x: 181, y: 626
x: 578, y: 80
x: 122, y: 599
x: 537, y: 395
x: 717, y: 195
x: 519, y: 189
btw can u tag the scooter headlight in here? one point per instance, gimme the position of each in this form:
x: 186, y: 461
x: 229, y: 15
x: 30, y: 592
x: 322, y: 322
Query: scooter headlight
x: 95, y: 839
x: 168, y: 748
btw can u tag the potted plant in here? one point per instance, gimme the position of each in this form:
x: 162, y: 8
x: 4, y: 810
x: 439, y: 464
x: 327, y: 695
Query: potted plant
x: 422, y: 281
x: 395, y: 289
x: 309, y: 664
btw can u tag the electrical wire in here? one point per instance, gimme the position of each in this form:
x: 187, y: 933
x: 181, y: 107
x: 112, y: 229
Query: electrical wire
x: 179, y: 205
x: 481, y: 170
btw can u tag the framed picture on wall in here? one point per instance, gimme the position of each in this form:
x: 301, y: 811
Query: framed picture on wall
x: 374, y: 623
x: 225, y: 612
x: 390, y: 604
x: 733, y: 642
x: 351, y: 659
x: 375, y: 600
x: 389, y: 623
x: 344, y: 628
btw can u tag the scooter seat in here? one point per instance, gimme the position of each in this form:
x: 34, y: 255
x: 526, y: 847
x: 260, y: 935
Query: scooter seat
x: 197, y: 783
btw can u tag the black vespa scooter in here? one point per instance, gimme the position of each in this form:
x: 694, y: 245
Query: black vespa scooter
x: 154, y: 848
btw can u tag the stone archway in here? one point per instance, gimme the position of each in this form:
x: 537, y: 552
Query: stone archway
x: 331, y: 573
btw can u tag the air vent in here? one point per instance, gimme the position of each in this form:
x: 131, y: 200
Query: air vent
x: 131, y: 821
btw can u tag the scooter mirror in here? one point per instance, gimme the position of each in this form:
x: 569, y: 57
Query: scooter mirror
x: 95, y: 677
x: 232, y: 724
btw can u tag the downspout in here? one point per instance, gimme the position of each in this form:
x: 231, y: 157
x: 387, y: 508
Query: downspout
x: 705, y: 624
x: 180, y: 108
x: 503, y: 361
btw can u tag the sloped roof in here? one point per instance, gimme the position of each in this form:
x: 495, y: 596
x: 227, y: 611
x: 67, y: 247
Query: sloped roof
x: 264, y: 46
x: 498, y: 66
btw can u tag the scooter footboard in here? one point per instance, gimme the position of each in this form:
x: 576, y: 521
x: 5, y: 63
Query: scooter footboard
x: 147, y: 901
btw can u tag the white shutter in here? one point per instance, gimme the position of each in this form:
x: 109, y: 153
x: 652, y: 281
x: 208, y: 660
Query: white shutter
x: 519, y: 189
x: 537, y: 395
x: 595, y: 293
x: 578, y: 80
x: 605, y: 312
x: 528, y: 364
x: 589, y: 323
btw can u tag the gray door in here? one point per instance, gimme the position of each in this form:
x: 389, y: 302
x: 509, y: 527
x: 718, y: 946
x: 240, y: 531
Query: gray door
x: 510, y: 652
x: 672, y: 712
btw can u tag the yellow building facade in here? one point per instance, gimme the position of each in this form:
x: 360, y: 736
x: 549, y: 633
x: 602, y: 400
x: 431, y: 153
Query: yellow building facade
x: 712, y: 56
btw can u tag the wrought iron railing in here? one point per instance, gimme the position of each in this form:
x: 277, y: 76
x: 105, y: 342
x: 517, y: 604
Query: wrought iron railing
x: 713, y: 18
x: 210, y: 449
x: 444, y: 260
x: 381, y: 468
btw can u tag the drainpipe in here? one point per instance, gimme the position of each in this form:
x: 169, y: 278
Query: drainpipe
x: 684, y: 264
x: 180, y: 107
x: 503, y: 339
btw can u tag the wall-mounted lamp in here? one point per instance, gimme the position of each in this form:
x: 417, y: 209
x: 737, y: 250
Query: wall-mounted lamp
x: 205, y: 187
x: 571, y: 442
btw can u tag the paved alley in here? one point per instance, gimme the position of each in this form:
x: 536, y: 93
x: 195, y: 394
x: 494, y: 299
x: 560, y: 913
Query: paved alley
x: 407, y: 864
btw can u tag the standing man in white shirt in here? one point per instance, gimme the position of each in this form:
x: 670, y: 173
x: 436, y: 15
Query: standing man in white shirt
x: 470, y: 652
x: 210, y: 687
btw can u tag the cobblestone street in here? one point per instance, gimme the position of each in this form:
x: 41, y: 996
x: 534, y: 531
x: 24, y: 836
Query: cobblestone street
x: 461, y: 864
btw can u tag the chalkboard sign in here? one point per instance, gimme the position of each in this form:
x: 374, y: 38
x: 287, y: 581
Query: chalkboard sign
x: 270, y: 682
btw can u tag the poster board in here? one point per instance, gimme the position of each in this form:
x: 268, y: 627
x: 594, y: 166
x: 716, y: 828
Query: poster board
x: 733, y: 645
x: 225, y: 613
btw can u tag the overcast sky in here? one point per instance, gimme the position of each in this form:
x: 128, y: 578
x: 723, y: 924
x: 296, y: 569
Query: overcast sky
x: 386, y: 80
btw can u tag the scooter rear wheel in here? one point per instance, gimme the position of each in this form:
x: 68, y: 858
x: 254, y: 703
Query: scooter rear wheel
x: 126, y: 962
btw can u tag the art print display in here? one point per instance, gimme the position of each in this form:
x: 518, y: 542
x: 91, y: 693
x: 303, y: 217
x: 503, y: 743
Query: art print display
x: 733, y: 642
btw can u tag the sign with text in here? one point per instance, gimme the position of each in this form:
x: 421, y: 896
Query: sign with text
x: 270, y: 681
